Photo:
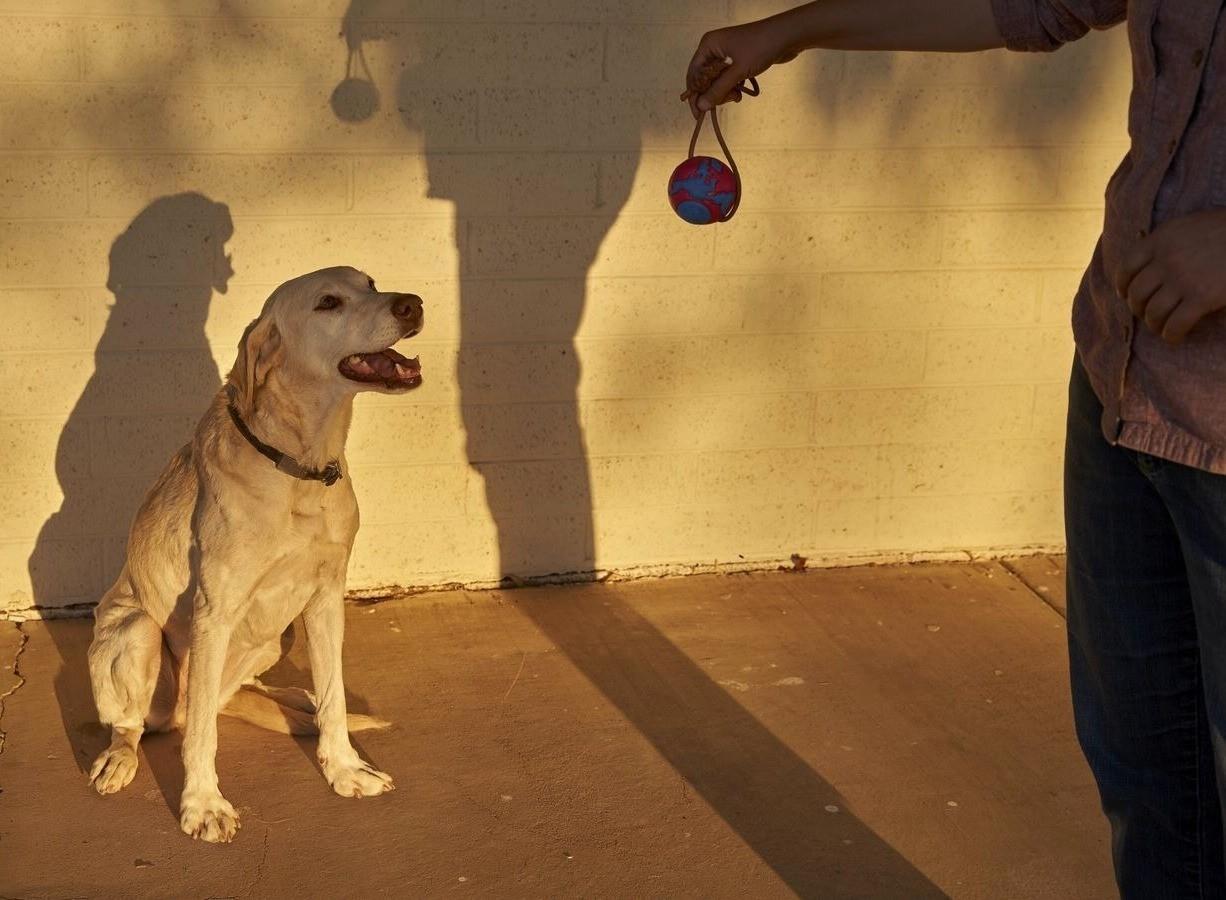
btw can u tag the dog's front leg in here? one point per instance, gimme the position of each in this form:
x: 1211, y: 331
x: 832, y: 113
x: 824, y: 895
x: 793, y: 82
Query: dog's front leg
x: 203, y: 812
x: 349, y: 776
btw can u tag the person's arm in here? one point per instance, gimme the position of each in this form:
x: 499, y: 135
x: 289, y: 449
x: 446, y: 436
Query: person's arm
x: 934, y: 25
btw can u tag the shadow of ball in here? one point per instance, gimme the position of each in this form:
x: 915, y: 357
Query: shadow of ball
x: 355, y: 100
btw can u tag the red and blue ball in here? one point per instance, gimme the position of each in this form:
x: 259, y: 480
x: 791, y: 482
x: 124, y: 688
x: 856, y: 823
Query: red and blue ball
x: 703, y: 190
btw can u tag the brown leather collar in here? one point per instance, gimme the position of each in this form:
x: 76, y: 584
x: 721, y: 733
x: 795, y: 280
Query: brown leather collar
x: 329, y: 475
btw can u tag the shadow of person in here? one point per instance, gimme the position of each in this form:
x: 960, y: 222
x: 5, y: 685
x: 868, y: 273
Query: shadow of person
x: 516, y: 270
x: 153, y: 375
x: 757, y: 784
x: 502, y: 358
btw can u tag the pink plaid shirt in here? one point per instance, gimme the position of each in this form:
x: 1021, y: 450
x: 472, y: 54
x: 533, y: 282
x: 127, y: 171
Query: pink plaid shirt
x: 1168, y: 401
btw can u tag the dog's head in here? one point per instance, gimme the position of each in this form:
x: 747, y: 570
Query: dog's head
x: 331, y: 330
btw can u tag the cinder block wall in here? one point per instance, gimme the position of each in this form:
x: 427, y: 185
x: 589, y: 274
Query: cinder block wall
x: 869, y: 361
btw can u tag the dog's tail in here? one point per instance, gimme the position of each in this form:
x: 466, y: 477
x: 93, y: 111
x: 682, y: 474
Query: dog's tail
x: 286, y: 710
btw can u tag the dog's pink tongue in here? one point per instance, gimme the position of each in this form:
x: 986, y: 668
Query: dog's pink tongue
x: 381, y: 364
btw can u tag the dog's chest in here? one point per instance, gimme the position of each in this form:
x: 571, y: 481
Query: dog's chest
x: 312, y: 544
x: 322, y: 515
x: 291, y: 582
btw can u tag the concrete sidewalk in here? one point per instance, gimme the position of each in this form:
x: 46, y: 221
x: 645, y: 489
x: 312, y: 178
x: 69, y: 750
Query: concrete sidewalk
x: 872, y: 732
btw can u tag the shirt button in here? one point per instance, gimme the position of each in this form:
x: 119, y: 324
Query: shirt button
x: 1141, y: 232
x: 1198, y: 57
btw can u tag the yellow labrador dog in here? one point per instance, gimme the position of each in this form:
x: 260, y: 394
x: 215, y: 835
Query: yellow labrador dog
x: 249, y: 526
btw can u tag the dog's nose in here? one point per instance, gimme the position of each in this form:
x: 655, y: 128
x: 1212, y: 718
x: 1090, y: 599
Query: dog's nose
x: 406, y: 307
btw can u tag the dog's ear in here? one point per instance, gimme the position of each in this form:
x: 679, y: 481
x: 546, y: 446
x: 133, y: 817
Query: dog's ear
x: 258, y: 351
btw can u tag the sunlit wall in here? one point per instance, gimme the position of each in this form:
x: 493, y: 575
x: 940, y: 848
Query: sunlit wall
x: 868, y: 362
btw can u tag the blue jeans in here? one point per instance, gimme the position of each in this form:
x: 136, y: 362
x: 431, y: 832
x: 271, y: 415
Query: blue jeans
x: 1147, y: 653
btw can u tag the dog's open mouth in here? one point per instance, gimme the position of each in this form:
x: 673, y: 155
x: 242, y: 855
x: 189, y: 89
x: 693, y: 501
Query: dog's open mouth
x: 386, y: 367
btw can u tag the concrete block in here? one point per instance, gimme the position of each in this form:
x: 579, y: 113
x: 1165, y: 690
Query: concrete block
x: 1051, y: 409
x: 702, y: 535
x: 558, y: 247
x: 1059, y: 288
x: 397, y: 497
x: 1088, y: 111
x: 599, y: 10
x: 928, y: 299
x: 417, y: 434
x: 967, y: 522
x: 29, y: 392
x: 847, y: 525
x: 137, y: 444
x: 44, y: 447
x: 478, y: 183
x: 248, y: 185
x: 858, y: 417
x: 983, y: 355
x: 53, y: 573
x: 1054, y: 237
x: 42, y: 319
x: 821, y: 242
x: 42, y: 186
x: 269, y: 251
x: 522, y: 431
x: 547, y: 489
x: 40, y: 48
x: 607, y: 118
x: 965, y: 468
x: 699, y: 304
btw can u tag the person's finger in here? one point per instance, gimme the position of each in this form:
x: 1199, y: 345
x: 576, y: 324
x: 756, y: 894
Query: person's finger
x: 722, y: 89
x: 1143, y: 286
x: 1160, y: 307
x: 1134, y: 261
x: 705, y: 56
x: 1181, y: 321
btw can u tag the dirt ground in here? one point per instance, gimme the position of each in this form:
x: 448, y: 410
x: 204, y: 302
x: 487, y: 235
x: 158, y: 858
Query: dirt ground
x: 871, y: 732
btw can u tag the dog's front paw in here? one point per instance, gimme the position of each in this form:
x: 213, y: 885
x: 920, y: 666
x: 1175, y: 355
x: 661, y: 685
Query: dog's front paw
x: 359, y: 780
x: 209, y: 817
x: 113, y: 769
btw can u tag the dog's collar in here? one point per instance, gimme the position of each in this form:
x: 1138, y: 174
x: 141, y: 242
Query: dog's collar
x: 329, y: 475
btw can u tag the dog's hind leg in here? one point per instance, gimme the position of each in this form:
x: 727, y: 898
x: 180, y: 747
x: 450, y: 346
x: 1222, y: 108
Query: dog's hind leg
x: 293, y: 697
x: 127, y: 661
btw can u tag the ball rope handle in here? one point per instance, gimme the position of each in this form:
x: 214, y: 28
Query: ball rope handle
x: 703, y: 82
x: 749, y: 87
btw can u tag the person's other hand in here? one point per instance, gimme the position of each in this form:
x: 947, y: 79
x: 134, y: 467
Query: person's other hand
x: 1176, y: 276
x: 752, y: 49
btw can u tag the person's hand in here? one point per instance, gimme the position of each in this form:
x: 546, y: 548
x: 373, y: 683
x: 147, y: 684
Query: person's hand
x: 753, y: 48
x: 1177, y: 275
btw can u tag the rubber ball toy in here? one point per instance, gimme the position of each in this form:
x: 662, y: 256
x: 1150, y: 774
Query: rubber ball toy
x: 703, y: 190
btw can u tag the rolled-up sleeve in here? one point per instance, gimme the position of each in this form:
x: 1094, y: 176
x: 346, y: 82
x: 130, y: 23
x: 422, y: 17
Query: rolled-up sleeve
x: 1046, y: 25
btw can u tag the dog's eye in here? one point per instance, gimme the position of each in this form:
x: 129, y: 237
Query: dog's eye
x: 330, y: 301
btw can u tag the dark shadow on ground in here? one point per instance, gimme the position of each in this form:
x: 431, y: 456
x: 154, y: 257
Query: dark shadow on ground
x: 767, y: 794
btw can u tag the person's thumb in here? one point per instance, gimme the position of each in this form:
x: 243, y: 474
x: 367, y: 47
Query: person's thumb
x: 721, y: 88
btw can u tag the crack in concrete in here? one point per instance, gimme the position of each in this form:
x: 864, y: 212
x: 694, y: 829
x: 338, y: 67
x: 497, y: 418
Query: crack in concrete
x: 21, y: 680
x: 259, y: 866
x: 1033, y: 589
